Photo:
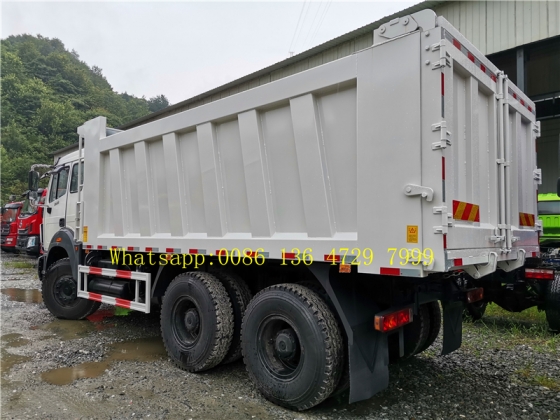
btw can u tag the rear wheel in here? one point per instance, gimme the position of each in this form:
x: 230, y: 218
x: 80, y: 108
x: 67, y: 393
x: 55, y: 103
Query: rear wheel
x: 475, y: 311
x: 60, y: 293
x: 292, y: 346
x: 435, y: 325
x: 240, y: 296
x: 196, y: 321
x: 415, y: 335
x: 552, y: 304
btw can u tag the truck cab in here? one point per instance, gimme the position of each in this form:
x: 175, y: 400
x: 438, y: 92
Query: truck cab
x: 29, y: 225
x: 549, y: 213
x: 9, y: 226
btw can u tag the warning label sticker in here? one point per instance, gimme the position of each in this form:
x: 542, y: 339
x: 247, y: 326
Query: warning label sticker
x: 412, y: 234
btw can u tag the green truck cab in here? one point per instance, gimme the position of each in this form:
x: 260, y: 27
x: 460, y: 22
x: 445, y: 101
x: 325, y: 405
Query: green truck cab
x: 549, y: 213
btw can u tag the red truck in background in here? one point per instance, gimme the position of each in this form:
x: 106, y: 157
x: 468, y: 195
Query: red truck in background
x: 8, y: 229
x: 29, y: 224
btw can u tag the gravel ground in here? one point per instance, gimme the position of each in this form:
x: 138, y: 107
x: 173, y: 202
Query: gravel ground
x: 504, y: 370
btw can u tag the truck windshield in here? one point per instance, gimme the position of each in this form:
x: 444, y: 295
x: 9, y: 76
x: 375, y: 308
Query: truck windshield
x: 548, y: 207
x: 9, y: 215
x: 27, y: 208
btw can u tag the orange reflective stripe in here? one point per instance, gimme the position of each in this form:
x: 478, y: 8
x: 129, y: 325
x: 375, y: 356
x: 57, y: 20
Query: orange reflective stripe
x: 460, y: 209
x: 474, y: 213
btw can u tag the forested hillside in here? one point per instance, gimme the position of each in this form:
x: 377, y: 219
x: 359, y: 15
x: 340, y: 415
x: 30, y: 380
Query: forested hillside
x: 47, y: 92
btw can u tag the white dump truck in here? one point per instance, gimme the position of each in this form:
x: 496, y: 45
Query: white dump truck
x: 312, y: 225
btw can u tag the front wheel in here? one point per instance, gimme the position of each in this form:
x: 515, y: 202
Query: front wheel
x: 60, y: 293
x: 292, y: 346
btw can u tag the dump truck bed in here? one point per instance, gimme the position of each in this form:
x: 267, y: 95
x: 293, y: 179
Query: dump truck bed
x: 417, y: 149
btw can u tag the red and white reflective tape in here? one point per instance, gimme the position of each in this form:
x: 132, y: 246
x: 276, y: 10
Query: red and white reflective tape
x: 461, y: 262
x: 123, y: 303
x: 402, y: 272
x: 519, y: 99
x: 110, y: 272
x: 253, y: 254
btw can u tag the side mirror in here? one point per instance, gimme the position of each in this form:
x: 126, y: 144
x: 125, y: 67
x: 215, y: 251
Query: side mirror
x: 33, y: 181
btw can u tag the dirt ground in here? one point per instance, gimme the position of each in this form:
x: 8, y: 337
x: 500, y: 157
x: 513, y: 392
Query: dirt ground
x: 113, y: 365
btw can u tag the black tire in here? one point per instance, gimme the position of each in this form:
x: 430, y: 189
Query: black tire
x: 240, y: 296
x: 415, y: 335
x: 552, y: 304
x: 435, y: 325
x: 196, y: 321
x: 344, y: 383
x: 60, y: 290
x: 475, y: 311
x: 292, y: 346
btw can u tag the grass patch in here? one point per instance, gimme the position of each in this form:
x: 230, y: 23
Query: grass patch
x: 502, y: 329
x: 19, y: 264
x: 530, y: 376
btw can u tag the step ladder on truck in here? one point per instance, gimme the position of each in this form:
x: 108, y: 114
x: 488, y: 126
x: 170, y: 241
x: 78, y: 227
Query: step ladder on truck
x: 301, y: 224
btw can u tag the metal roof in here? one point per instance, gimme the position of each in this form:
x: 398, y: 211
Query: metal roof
x: 292, y: 60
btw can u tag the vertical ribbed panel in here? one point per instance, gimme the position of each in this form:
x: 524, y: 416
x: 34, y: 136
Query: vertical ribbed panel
x: 257, y: 181
x: 315, y: 188
x: 230, y: 158
x: 176, y: 191
x: 212, y: 187
x: 145, y: 191
x: 119, y: 220
x: 192, y: 182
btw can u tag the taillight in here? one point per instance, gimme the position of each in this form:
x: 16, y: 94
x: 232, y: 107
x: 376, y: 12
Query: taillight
x: 539, y: 274
x: 388, y: 322
x: 475, y: 295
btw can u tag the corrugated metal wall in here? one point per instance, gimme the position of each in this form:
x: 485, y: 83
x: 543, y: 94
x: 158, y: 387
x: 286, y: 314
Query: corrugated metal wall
x: 500, y: 25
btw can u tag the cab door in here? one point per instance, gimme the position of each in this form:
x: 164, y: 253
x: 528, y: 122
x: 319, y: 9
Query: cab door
x: 72, y: 195
x: 55, y: 208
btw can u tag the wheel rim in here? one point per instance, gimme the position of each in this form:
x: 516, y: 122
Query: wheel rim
x: 186, y: 323
x: 66, y: 291
x: 279, y: 348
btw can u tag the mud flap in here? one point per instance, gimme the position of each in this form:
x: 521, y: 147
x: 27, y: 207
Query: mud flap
x: 368, y: 352
x: 452, y: 326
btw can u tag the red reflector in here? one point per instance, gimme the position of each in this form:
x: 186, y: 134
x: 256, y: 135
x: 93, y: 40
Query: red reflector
x: 390, y: 271
x: 221, y: 252
x: 530, y: 109
x: 493, y: 77
x: 193, y: 251
x: 99, y: 246
x: 393, y: 320
x: 514, y: 95
x: 95, y: 270
x: 522, y: 102
x: 475, y: 295
x: 290, y: 255
x: 541, y: 274
x: 483, y: 68
x: 149, y: 249
x: 331, y: 258
x: 130, y: 248
x: 456, y: 44
x: 471, y: 57
x: 442, y: 85
x: 114, y: 247
x: 444, y: 241
x: 458, y: 262
x: 443, y: 167
x: 168, y: 249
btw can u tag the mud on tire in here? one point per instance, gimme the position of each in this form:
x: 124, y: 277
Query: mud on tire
x: 292, y: 346
x: 59, y: 289
x: 196, y: 321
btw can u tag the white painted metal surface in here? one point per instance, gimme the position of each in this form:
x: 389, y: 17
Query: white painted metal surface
x: 322, y: 160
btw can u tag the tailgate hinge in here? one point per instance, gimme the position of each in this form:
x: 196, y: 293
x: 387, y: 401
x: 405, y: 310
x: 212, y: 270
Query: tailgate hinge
x: 537, y: 128
x: 502, y: 162
x: 444, y: 137
x: 412, y: 190
x: 446, y: 220
x: 537, y: 175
